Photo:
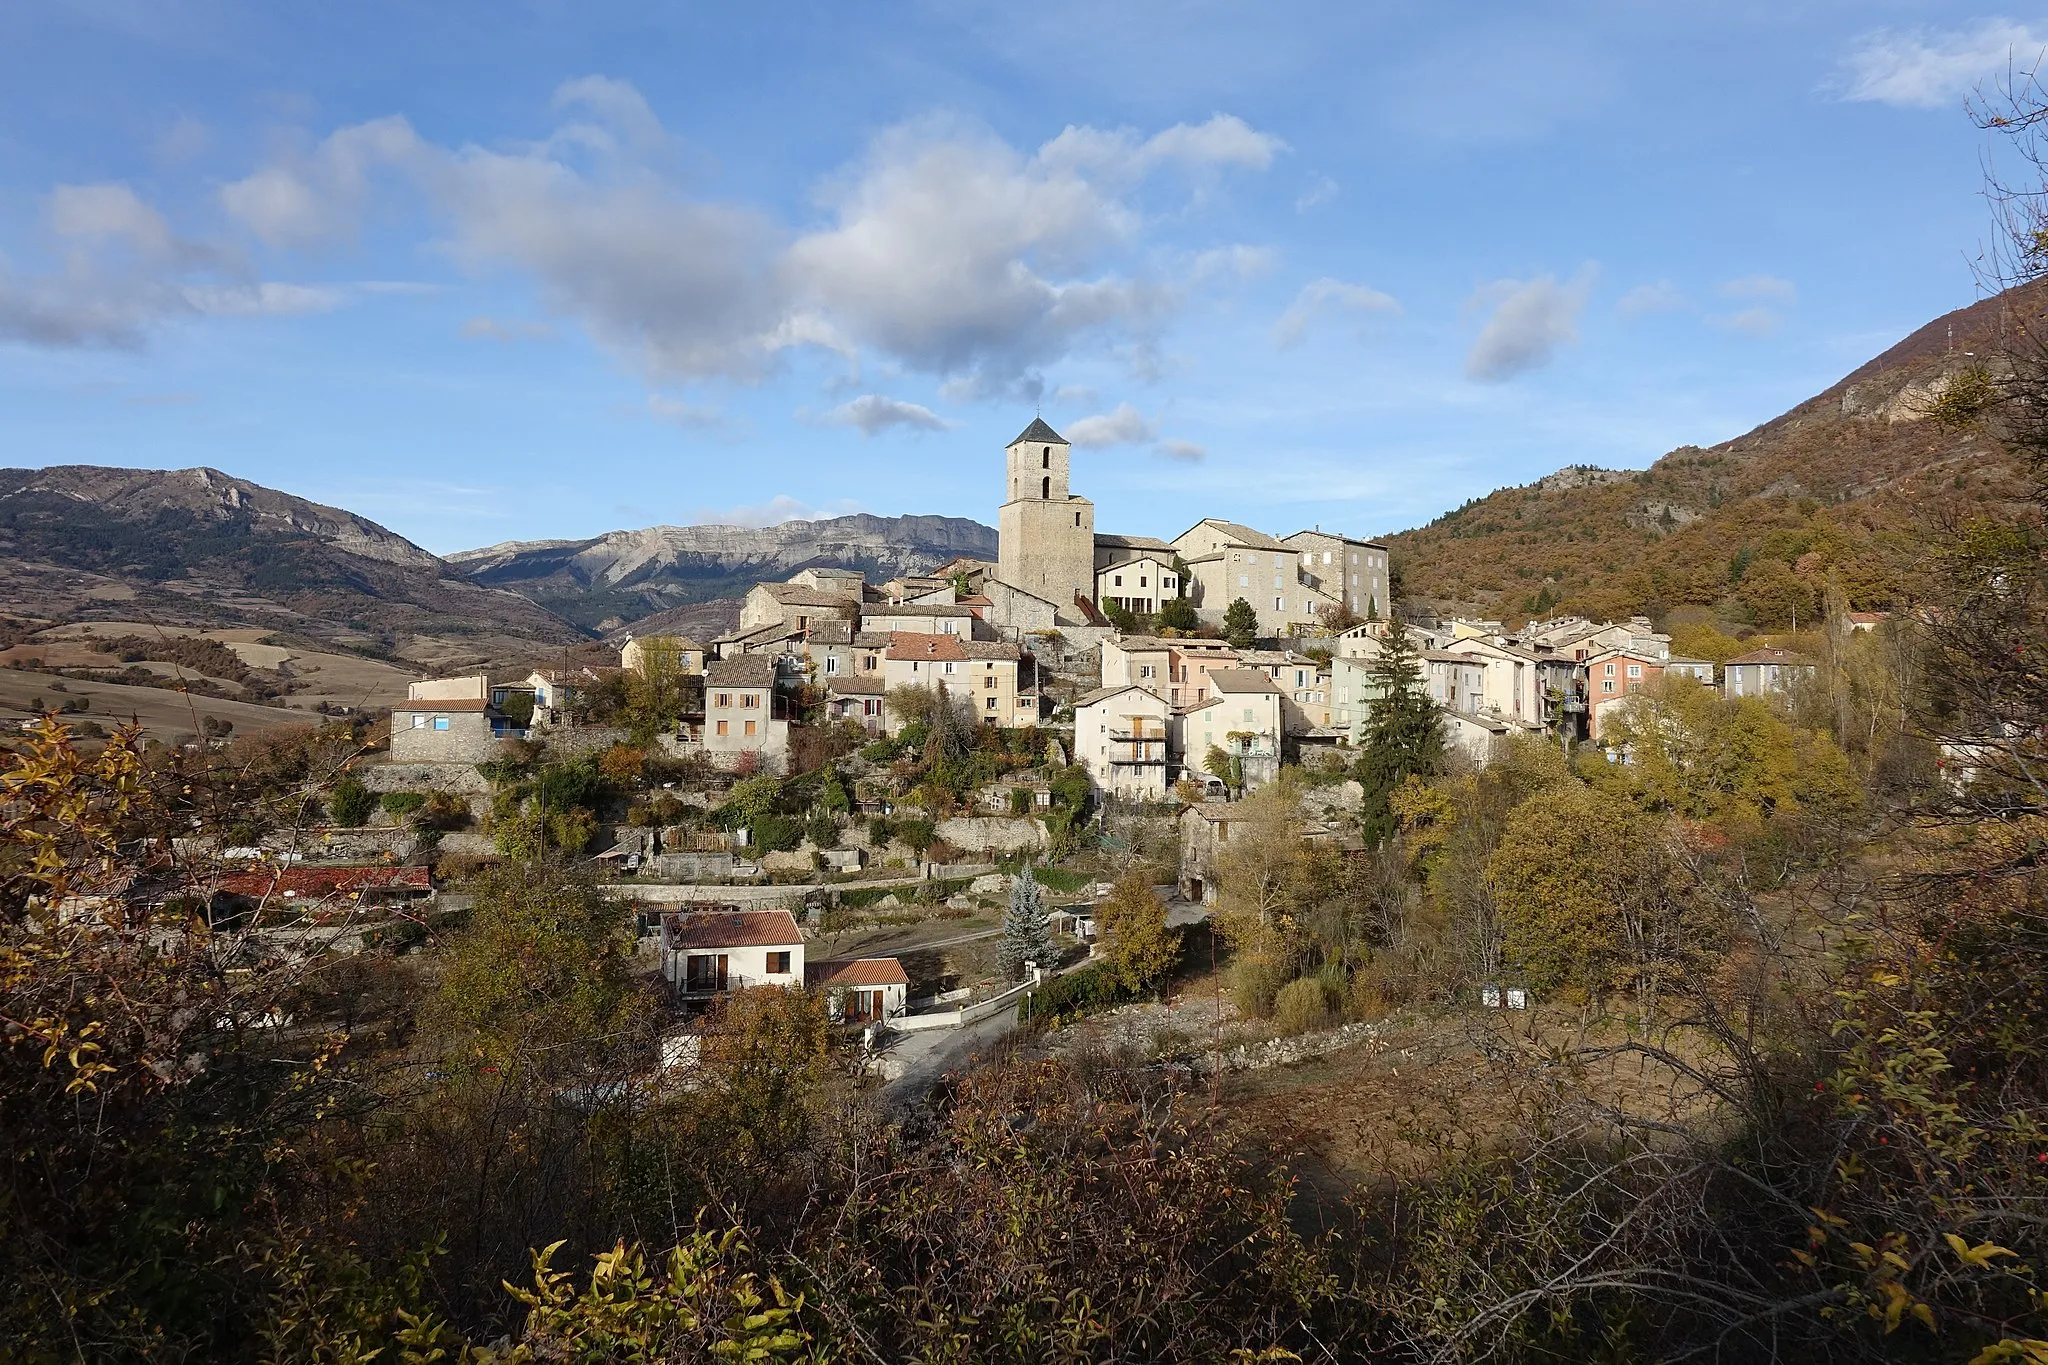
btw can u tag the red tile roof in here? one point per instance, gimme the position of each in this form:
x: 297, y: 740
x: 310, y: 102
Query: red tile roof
x: 732, y: 929
x: 904, y: 645
x: 858, y: 971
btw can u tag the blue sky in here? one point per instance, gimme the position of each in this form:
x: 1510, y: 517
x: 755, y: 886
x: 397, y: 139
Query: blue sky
x: 517, y: 270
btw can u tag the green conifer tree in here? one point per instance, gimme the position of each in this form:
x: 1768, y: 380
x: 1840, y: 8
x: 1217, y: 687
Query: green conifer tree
x: 1240, y: 623
x: 1404, y: 734
x: 1027, y: 928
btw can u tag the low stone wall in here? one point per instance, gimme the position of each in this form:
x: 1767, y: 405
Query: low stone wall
x: 1287, y: 1051
x: 994, y: 834
x: 461, y: 778
x: 571, y: 740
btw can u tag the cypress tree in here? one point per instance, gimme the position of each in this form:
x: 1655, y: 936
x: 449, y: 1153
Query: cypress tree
x: 1027, y: 928
x: 1404, y: 734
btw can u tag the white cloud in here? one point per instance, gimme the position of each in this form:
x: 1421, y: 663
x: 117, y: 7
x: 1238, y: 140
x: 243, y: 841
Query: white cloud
x: 1759, y: 287
x: 1124, y: 426
x: 1319, y: 296
x: 944, y: 248
x: 1321, y: 191
x: 1530, y: 320
x: 774, y: 512
x: 1181, y: 450
x: 1928, y: 69
x: 505, y: 329
x: 873, y: 414
x: 1646, y: 299
x: 121, y: 270
x: 1755, y: 322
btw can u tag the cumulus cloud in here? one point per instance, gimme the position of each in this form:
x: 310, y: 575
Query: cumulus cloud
x: 778, y: 509
x: 873, y: 414
x: 122, y: 270
x: 1320, y: 296
x: 1237, y: 261
x: 1530, y: 320
x: 1181, y: 450
x: 1759, y: 287
x: 1928, y: 69
x: 1124, y: 426
x: 944, y: 247
x: 1646, y: 299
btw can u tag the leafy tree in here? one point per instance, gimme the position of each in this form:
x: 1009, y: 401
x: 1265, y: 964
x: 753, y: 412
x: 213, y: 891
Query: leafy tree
x: 350, y: 802
x: 1178, y: 613
x: 1140, y: 949
x: 1403, y: 735
x: 1027, y: 928
x: 1225, y: 767
x: 1240, y: 623
x: 1120, y: 616
x: 546, y: 957
x: 1569, y: 867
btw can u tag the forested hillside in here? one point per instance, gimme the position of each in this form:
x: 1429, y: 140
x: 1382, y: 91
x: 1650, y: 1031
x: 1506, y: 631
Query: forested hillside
x: 1754, y: 527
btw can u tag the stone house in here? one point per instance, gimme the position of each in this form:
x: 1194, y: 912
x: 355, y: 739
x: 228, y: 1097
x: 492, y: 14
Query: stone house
x: 1511, y: 684
x: 1764, y: 671
x: 1121, y: 736
x: 794, y: 604
x: 1480, y: 737
x: 688, y: 654
x: 857, y: 697
x: 848, y: 583
x: 1228, y: 561
x: 448, y: 720
x: 1457, y: 682
x: 931, y: 618
x: 746, y: 709
x: 982, y: 673
x: 1205, y: 829
x: 860, y: 990
x: 1244, y: 719
x: 1135, y: 573
x: 706, y: 953
x: 1353, y: 572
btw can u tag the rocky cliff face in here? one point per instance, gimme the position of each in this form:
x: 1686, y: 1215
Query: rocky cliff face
x: 628, y: 575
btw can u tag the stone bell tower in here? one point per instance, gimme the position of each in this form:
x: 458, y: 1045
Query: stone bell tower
x: 1046, y: 542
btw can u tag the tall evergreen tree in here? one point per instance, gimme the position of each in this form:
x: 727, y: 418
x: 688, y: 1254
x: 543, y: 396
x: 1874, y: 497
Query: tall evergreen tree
x: 1027, y: 928
x: 1240, y: 623
x: 1404, y: 734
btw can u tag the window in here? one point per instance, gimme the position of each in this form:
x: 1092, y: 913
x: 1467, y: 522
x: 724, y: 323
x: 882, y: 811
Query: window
x: 991, y: 701
x: 1354, y: 556
x: 440, y: 722
x: 750, y: 699
x: 989, y: 684
x: 1276, y: 561
x: 1119, y: 580
x: 1247, y: 713
x: 1077, y: 518
x: 419, y: 722
x: 1141, y: 580
x: 1244, y: 580
x: 1610, y: 670
x: 750, y: 727
x: 778, y: 964
x: 1635, y: 670
x: 1166, y: 582
x: 1607, y: 684
x: 1279, y: 604
x: 1045, y: 487
x: 1326, y: 556
x: 724, y: 699
x: 1145, y: 670
x: 831, y: 665
x: 1045, y: 460
x: 949, y: 668
x: 722, y: 726
x: 868, y: 664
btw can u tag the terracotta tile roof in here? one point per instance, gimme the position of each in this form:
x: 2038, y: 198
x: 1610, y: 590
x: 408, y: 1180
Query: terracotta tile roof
x: 298, y: 882
x: 990, y: 649
x: 731, y: 929
x: 856, y: 685
x: 797, y: 595
x: 904, y: 645
x: 935, y: 609
x: 858, y: 971
x: 1104, y: 693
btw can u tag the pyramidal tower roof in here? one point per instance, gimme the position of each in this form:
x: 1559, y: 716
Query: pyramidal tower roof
x: 1039, y: 431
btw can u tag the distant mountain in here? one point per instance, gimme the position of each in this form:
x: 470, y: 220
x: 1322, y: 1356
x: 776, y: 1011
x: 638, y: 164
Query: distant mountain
x: 199, y: 547
x: 1753, y: 525
x: 630, y: 575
